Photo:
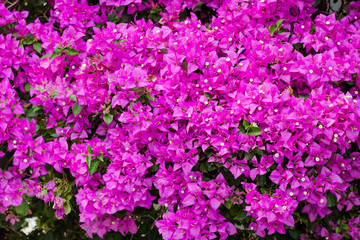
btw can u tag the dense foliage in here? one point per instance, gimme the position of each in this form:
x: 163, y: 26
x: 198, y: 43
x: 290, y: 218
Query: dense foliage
x: 226, y: 119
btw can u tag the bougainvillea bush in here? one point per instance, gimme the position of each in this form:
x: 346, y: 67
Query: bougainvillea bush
x: 129, y: 119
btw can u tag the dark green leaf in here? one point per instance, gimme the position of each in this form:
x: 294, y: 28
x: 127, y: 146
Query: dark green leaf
x: 261, y: 179
x: 246, y: 124
x: 331, y: 200
x: 108, y: 118
x: 317, y: 3
x: 242, y: 129
x: 155, y: 17
x: 89, y: 149
x: 76, y: 109
x: 208, y: 95
x: 228, y: 204
x: 164, y: 50
x: 305, y: 96
x: 37, y: 46
x: 347, y: 236
x: 295, y: 233
x: 203, y: 168
x: 93, y: 166
x: 23, y: 208
x: 88, y: 160
x: 249, y: 155
x: 254, y: 131
x: 185, y: 65
x: 71, y: 51
x: 137, y: 89
x: 241, y: 215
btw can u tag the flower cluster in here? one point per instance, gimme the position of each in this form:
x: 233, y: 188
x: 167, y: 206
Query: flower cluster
x: 184, y: 122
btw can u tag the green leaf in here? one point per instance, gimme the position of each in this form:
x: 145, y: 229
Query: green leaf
x: 93, y: 166
x: 185, y: 65
x: 58, y: 50
x: 242, y: 129
x: 89, y: 149
x: 279, y: 22
x: 254, y: 131
x: 44, y: 192
x: 203, y: 168
x: 67, y: 208
x: 149, y: 97
x: 37, y: 46
x: 68, y: 197
x: 130, y: 105
x: 305, y: 96
x: 317, y: 3
x: 347, y: 236
x: 295, y: 233
x: 76, y: 109
x: 23, y: 208
x: 108, y: 118
x: 261, y: 179
x: 246, y: 124
x: 241, y: 215
x: 73, y: 97
x: 46, y: 56
x: 101, y: 157
x: 137, y: 89
x: 208, y: 95
x: 54, y: 55
x: 71, y: 52
x: 28, y: 41
x: 272, y: 29
x: 120, y: 40
x: 154, y: 11
x: 249, y: 155
x: 67, y: 189
x: 155, y: 17
x: 228, y: 204
x: 88, y: 160
x: 27, y: 86
x: 164, y: 50
x: 331, y: 200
